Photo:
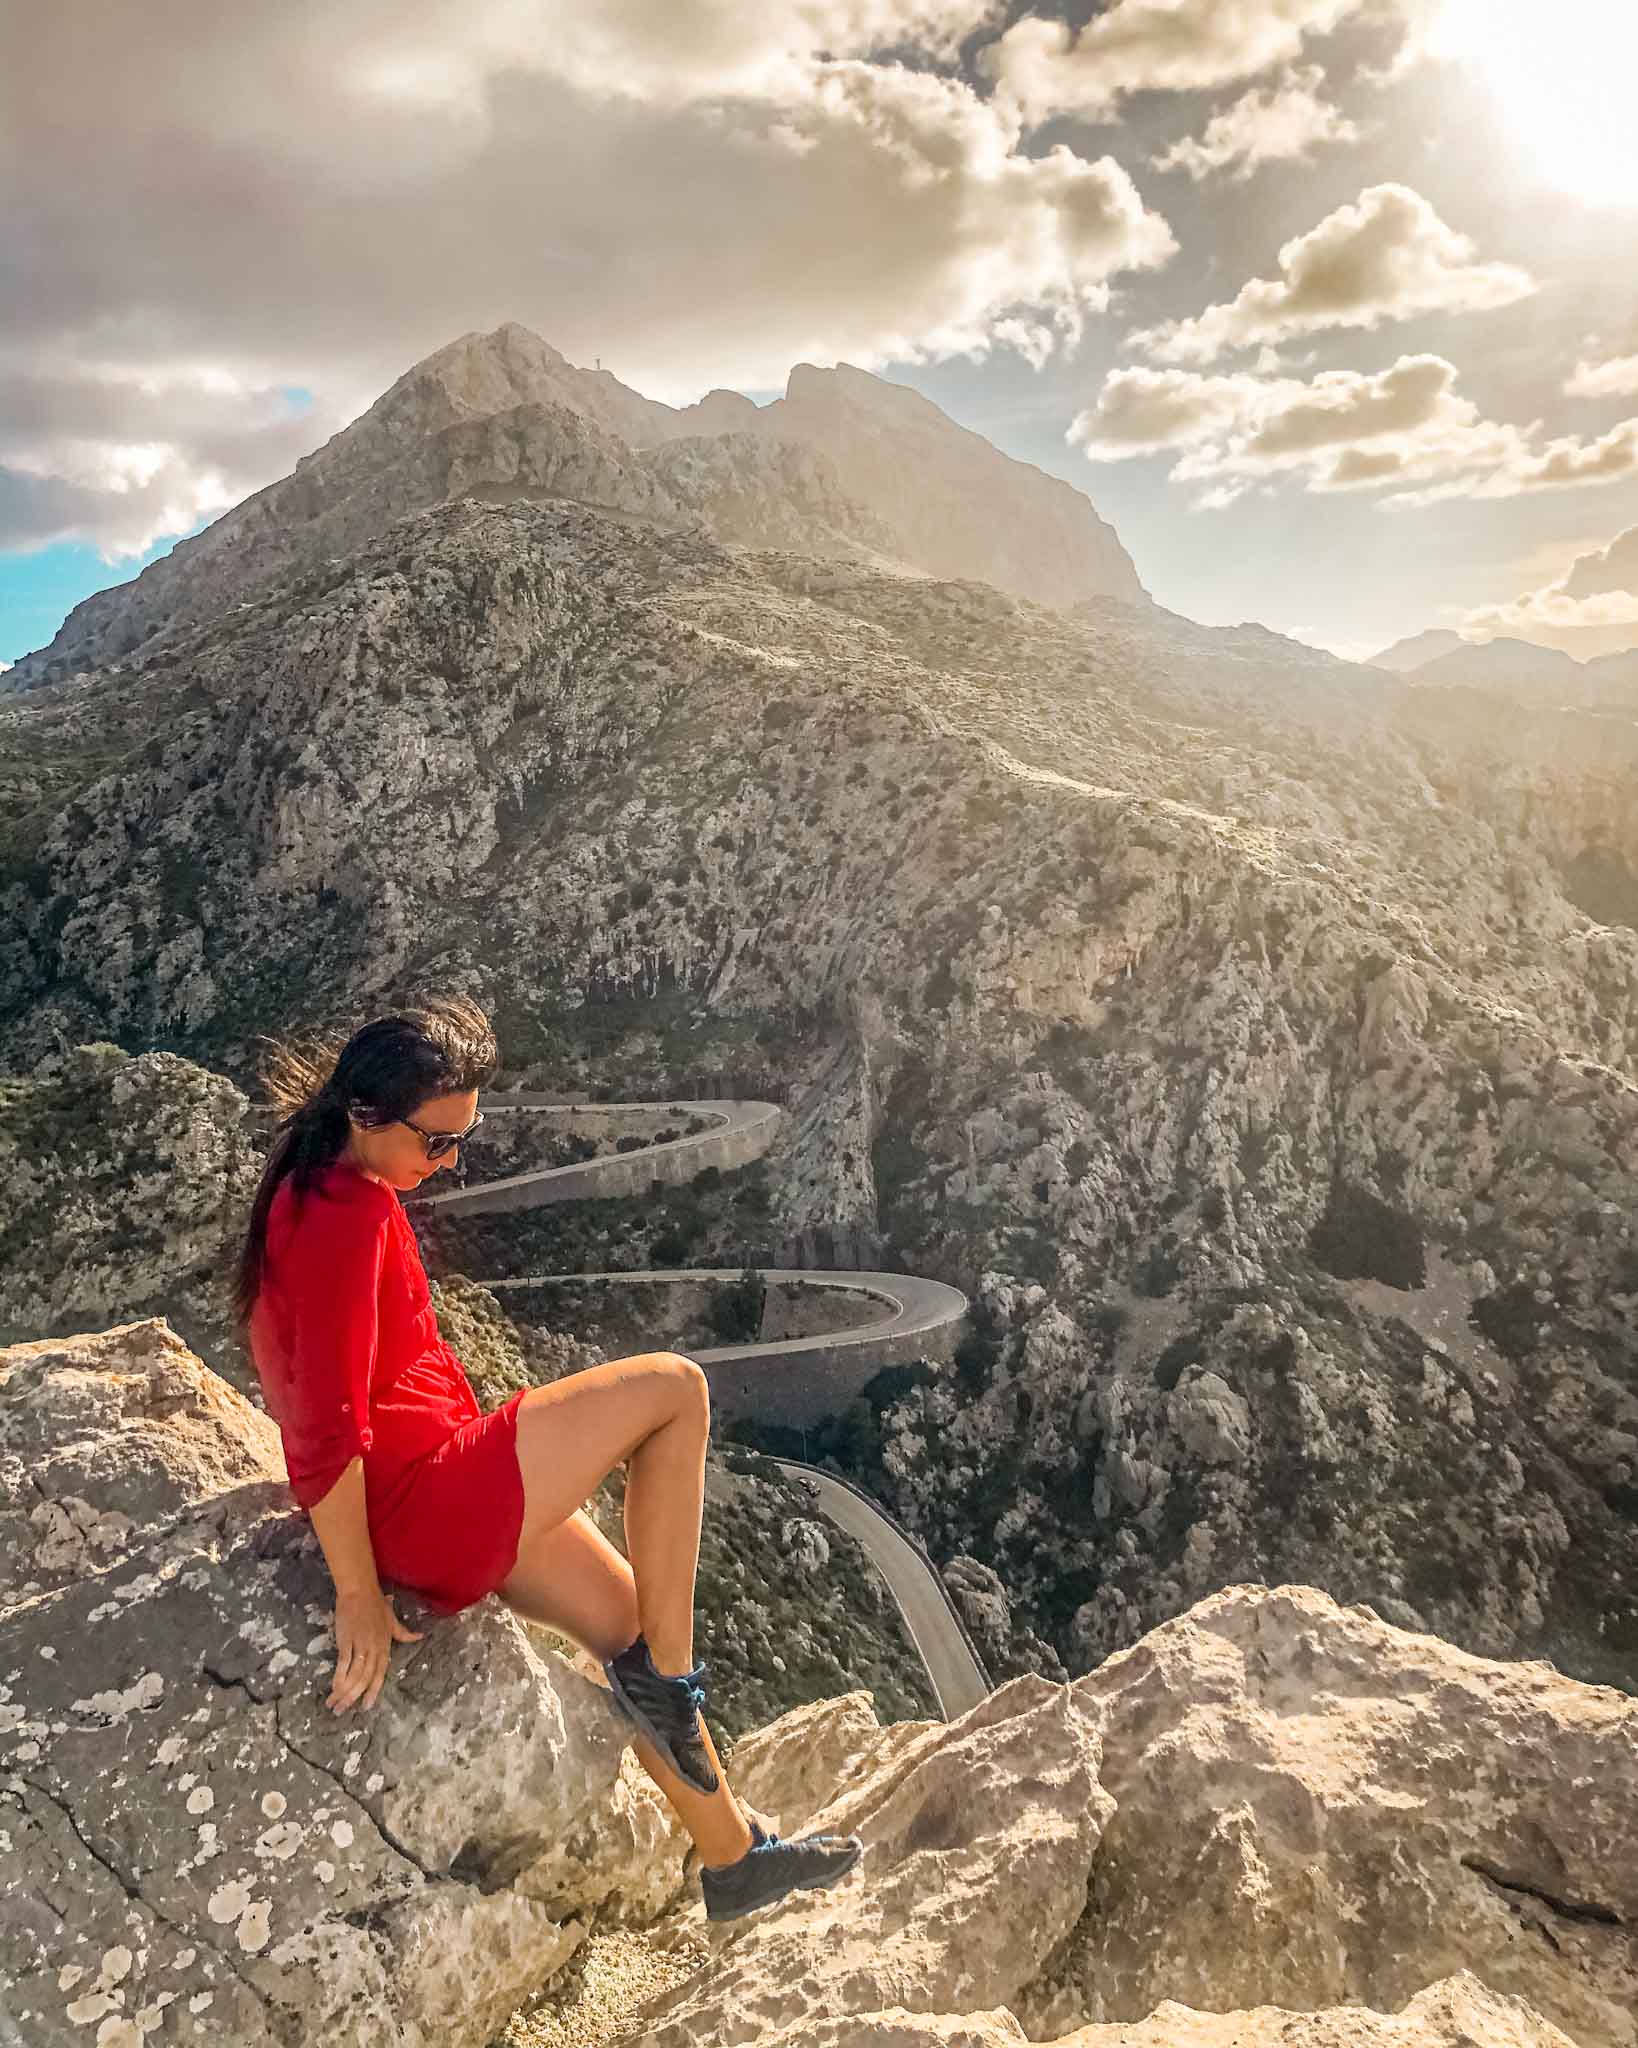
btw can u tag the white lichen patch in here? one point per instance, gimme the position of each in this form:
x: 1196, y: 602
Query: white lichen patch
x: 48, y: 1651
x: 281, y: 1840
x: 374, y: 1782
x: 228, y: 1901
x: 253, y: 1925
x: 200, y: 2000
x: 91, y: 2007
x: 274, y: 1804
x: 184, y: 1957
x: 69, y: 1975
x: 119, y: 2033
x: 201, y: 1799
x: 141, y: 1694
x: 325, y: 1871
x: 170, y: 1750
x: 341, y: 1833
x: 351, y: 1765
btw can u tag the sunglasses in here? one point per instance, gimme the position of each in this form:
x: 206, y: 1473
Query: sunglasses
x: 438, y: 1143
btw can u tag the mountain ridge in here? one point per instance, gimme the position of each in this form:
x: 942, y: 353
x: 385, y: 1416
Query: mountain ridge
x: 884, y: 473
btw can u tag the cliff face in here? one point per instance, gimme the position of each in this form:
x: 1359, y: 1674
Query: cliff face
x: 844, y: 464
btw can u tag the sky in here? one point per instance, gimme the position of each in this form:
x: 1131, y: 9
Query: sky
x: 1327, y: 305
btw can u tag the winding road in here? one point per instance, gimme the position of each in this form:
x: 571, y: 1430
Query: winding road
x: 906, y: 1308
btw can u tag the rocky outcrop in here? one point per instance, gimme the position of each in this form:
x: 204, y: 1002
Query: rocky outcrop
x: 1370, y: 1435
x: 1457, y: 2013
x: 1272, y: 1802
x: 1273, y: 1811
x: 191, y: 1844
x: 123, y: 1185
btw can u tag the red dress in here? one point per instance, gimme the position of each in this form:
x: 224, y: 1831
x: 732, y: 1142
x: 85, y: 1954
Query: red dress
x: 346, y: 1346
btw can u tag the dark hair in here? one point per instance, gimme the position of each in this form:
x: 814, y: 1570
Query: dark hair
x: 386, y: 1070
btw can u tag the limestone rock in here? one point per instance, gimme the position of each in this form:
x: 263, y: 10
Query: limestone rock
x: 1212, y: 1420
x: 806, y: 1543
x: 107, y: 1442
x: 189, y: 1838
x: 1353, y: 1812
x: 979, y: 1839
x: 1458, y: 2012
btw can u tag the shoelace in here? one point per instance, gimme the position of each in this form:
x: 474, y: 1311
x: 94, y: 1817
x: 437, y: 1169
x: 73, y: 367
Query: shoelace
x: 693, y: 1684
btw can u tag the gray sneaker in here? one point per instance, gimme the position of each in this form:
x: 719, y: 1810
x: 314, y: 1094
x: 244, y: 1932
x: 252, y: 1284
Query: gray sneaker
x: 770, y: 1868
x: 666, y: 1709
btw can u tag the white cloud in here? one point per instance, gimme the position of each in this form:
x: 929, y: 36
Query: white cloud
x: 1385, y: 256
x: 1338, y: 431
x: 1155, y: 45
x: 1590, y: 608
x: 1278, y: 124
x: 1615, y: 378
x: 702, y: 193
x: 121, y: 453
x: 1565, y: 463
x: 1343, y: 430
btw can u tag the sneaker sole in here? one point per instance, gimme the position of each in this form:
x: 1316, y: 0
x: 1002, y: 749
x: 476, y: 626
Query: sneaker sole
x: 817, y: 1882
x: 645, y: 1726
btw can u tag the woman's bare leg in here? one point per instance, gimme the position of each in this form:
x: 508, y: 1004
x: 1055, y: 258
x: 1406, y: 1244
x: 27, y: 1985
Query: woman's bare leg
x: 653, y: 1414
x: 572, y: 1578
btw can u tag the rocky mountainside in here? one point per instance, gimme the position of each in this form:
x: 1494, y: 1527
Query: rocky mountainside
x: 1274, y: 1018
x: 844, y: 464
x: 1274, y: 1822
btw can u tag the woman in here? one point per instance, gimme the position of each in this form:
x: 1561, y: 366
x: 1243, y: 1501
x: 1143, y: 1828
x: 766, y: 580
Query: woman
x: 404, y: 1477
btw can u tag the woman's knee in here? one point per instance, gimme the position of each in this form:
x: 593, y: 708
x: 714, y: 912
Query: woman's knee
x: 693, y: 1390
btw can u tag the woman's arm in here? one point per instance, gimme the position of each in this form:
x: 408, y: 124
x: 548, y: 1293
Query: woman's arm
x: 343, y: 1531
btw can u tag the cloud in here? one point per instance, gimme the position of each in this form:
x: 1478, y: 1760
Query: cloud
x: 1606, y: 569
x: 1565, y: 463
x: 1342, y: 430
x: 1045, y: 67
x: 1616, y: 378
x: 1385, y: 256
x: 699, y: 194
x: 1592, y: 608
x: 120, y: 455
x: 1338, y: 431
x: 1280, y: 124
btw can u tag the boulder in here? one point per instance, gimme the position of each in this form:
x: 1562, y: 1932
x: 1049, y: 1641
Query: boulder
x: 191, y: 1843
x: 1315, y: 1808
x: 1459, y: 2012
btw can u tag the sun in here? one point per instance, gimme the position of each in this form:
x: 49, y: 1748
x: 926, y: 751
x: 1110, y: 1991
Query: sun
x: 1562, y: 75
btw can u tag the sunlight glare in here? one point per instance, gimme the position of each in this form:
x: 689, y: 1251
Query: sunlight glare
x: 1563, y: 77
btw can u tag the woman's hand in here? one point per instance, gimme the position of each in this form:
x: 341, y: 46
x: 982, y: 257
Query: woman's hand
x: 366, y: 1629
